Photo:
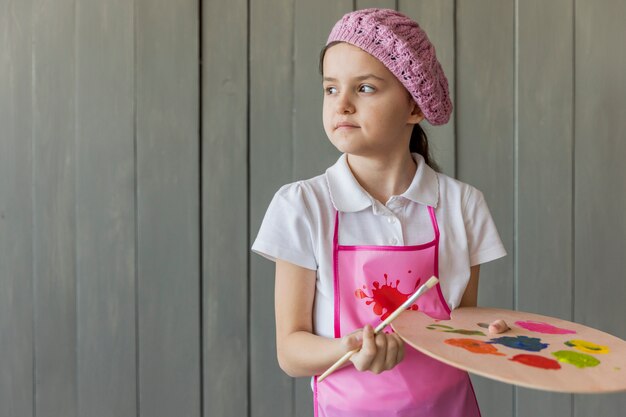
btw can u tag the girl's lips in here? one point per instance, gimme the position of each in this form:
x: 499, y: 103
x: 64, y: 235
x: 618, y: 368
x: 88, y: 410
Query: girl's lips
x: 346, y: 125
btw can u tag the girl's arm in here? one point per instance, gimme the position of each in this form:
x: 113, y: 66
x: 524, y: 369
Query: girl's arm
x: 302, y: 353
x: 470, y: 299
x: 470, y: 296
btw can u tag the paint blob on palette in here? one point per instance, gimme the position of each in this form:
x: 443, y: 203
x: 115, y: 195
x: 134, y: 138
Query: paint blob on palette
x: 536, y: 361
x: 448, y: 329
x: 536, y: 352
x: 474, y: 346
x: 531, y: 344
x: 580, y: 360
x: 541, y: 327
x: 587, y: 347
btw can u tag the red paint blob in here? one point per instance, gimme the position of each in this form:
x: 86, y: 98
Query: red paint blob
x: 386, y: 297
x: 536, y: 361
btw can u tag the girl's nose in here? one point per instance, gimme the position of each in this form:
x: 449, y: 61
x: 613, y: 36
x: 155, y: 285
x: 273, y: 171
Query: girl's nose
x: 345, y: 105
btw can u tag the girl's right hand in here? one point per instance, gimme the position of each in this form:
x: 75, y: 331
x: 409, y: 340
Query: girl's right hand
x: 378, y: 353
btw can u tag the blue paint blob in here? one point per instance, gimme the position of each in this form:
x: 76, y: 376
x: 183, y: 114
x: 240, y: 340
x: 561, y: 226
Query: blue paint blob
x: 530, y: 344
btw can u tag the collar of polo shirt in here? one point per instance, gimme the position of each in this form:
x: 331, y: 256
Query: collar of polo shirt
x: 347, y: 194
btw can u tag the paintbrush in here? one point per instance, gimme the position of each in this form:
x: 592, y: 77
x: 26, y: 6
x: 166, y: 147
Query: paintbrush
x: 421, y: 290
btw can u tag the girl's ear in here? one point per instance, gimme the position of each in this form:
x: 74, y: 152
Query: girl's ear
x: 416, y: 114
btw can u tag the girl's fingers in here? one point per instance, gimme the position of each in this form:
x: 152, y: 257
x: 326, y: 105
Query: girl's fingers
x: 393, y: 348
x: 498, y: 326
x: 400, y: 355
x: 378, y: 364
x: 378, y: 353
x: 363, y: 359
x: 401, y: 351
x: 399, y: 346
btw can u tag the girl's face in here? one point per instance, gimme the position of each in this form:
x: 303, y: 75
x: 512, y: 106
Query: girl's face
x: 367, y: 111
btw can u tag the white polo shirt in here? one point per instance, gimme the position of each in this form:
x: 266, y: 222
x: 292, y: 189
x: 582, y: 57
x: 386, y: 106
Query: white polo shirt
x: 299, y: 223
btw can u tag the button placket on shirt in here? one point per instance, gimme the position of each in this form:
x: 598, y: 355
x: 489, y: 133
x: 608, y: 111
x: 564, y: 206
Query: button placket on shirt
x: 394, y: 223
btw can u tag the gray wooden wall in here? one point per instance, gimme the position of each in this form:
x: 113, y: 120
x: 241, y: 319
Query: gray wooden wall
x: 133, y: 180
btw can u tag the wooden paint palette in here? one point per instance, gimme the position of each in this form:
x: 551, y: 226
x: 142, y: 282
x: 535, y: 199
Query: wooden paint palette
x: 538, y: 352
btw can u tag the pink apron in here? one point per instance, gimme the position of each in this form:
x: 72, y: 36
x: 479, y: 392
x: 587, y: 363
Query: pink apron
x: 370, y: 282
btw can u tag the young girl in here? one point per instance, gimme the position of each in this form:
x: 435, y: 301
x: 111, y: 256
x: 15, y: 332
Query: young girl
x: 351, y: 243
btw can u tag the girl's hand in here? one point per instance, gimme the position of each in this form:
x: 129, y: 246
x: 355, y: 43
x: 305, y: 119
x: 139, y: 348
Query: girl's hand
x: 498, y: 326
x: 378, y: 353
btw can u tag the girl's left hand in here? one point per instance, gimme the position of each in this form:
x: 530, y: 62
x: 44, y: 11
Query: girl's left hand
x: 498, y: 326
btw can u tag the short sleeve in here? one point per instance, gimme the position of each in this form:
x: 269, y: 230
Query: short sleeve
x: 484, y: 243
x: 286, y: 231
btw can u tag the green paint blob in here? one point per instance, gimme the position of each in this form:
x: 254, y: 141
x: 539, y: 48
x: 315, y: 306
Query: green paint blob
x: 466, y: 332
x: 581, y: 360
x: 448, y: 329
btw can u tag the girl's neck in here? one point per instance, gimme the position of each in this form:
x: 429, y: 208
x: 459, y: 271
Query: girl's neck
x: 384, y: 176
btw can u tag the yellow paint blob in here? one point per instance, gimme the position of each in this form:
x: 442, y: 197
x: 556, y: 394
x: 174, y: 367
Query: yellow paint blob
x: 587, y: 347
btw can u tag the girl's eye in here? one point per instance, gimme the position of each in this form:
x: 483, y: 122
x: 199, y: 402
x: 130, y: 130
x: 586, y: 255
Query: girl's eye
x: 366, y: 88
x: 330, y: 90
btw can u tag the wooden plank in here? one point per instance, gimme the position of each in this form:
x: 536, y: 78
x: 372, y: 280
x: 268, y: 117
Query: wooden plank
x: 485, y: 126
x: 545, y: 152
x: 312, y: 151
x: 54, y: 176
x: 437, y: 19
x: 303, y: 398
x: 224, y: 207
x: 271, y: 92
x: 168, y: 201
x: 600, y: 190
x: 105, y: 209
x: 381, y: 4
x: 16, y: 210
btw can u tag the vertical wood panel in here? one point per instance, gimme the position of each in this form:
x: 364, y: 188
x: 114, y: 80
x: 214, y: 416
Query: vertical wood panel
x: 168, y: 208
x: 16, y: 210
x: 381, y: 4
x: 313, y: 152
x: 484, y: 91
x: 271, y: 92
x: 545, y: 175
x: 437, y: 19
x: 224, y: 207
x: 54, y: 179
x: 105, y: 209
x: 67, y: 200
x: 600, y: 190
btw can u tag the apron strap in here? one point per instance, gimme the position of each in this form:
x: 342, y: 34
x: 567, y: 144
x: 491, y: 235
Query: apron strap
x: 336, y: 275
x: 433, y: 220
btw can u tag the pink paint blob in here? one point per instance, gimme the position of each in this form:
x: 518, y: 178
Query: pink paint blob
x: 541, y: 327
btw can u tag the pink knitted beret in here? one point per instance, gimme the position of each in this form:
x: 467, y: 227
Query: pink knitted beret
x: 403, y: 47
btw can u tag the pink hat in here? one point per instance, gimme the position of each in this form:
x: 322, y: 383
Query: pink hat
x: 403, y: 47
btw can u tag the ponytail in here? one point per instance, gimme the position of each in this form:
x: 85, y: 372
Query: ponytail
x: 419, y: 144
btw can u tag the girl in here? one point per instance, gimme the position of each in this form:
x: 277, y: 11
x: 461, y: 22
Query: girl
x: 351, y: 243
